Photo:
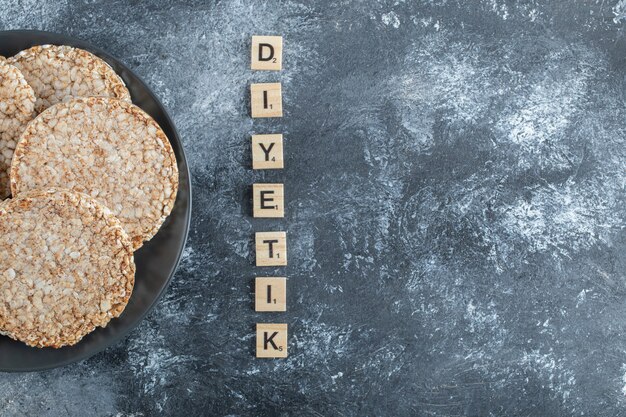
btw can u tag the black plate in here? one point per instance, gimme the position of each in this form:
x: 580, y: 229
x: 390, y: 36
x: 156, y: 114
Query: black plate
x: 156, y: 261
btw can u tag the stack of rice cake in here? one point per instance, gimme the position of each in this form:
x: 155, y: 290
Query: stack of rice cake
x: 90, y: 177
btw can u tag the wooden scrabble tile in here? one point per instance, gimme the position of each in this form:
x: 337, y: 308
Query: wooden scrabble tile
x: 266, y: 100
x: 268, y: 200
x: 270, y: 294
x: 271, y: 340
x: 271, y: 248
x: 267, y: 151
x: 267, y: 53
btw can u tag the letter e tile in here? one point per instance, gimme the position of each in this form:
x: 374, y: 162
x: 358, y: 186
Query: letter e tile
x: 268, y: 200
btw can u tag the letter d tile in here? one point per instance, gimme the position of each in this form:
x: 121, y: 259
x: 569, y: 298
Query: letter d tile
x: 267, y: 53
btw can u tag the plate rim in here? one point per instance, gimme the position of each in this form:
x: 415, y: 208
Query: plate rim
x: 101, y: 53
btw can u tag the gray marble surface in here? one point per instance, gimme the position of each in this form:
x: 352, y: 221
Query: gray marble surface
x: 455, y: 180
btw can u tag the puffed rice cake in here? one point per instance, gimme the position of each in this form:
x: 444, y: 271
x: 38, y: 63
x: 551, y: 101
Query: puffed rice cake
x: 59, y: 73
x: 17, y: 108
x: 106, y: 148
x: 67, y: 267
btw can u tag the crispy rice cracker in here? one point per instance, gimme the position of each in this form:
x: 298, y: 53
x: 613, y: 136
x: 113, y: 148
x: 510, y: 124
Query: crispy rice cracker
x: 106, y: 148
x: 67, y: 267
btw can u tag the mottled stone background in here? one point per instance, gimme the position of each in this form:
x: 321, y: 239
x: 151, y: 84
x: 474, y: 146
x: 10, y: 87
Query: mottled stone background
x: 455, y: 178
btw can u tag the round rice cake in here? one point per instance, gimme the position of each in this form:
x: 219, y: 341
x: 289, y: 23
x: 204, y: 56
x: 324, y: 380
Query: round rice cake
x: 59, y: 73
x: 17, y: 108
x: 106, y: 148
x: 67, y: 267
